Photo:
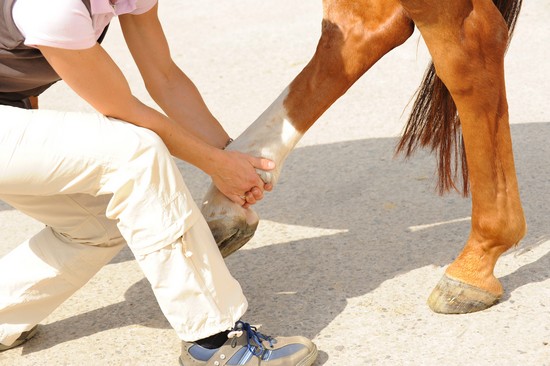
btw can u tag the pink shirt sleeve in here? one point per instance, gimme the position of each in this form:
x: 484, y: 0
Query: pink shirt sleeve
x: 143, y: 6
x: 66, y: 25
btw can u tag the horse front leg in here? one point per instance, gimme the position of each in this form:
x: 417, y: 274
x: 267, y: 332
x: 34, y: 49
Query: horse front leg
x: 467, y: 40
x: 272, y: 136
x: 355, y: 35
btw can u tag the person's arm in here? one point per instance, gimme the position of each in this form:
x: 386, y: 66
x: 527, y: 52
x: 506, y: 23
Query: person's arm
x: 171, y: 89
x: 93, y: 75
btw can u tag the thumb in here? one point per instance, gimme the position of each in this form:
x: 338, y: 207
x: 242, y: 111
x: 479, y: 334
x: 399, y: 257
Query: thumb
x: 263, y: 164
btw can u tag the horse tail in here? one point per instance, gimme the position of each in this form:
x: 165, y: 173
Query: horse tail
x: 434, y: 121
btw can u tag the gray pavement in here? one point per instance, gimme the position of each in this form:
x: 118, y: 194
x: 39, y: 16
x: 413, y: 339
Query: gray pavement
x: 351, y: 241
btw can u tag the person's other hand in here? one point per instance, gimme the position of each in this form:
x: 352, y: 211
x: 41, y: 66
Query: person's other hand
x: 236, y: 177
x: 256, y: 194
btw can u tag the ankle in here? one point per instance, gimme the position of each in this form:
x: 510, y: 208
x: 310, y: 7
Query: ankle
x: 214, y: 341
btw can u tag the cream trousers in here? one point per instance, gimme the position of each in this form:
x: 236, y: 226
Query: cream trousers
x: 97, y: 184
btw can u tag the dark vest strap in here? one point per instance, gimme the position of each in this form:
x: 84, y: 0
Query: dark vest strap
x: 103, y: 34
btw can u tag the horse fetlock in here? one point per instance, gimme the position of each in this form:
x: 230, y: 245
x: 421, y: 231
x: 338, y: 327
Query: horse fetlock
x: 498, y: 233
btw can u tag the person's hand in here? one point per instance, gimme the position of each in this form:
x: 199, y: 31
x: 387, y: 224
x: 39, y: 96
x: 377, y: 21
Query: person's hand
x: 235, y: 176
x: 256, y: 194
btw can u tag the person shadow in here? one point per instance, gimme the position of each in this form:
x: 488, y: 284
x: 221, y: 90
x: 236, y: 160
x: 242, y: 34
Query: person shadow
x: 372, y: 205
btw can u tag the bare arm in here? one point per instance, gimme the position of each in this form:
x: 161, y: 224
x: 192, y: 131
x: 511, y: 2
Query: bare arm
x: 171, y: 89
x: 93, y: 75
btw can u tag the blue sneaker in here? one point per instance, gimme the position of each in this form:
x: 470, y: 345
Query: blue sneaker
x: 247, y: 346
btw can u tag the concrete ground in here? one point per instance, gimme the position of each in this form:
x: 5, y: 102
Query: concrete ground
x: 351, y: 241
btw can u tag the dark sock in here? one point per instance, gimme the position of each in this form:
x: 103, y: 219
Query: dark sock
x: 215, y: 341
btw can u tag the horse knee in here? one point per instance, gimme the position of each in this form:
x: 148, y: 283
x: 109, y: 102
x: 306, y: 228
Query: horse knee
x: 475, y: 56
x: 358, y: 36
x: 485, y: 34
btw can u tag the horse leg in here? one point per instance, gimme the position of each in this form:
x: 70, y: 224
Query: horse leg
x: 355, y: 35
x: 467, y: 40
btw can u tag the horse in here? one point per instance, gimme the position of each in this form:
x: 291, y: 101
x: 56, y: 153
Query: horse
x: 460, y: 113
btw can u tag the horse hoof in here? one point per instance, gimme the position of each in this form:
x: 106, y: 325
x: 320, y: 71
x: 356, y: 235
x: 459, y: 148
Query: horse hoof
x: 231, y: 233
x: 231, y: 238
x: 456, y: 297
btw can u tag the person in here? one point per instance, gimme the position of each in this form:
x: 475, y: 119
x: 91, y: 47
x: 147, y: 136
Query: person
x: 99, y: 181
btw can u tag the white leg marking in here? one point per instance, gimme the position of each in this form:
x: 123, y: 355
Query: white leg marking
x: 271, y: 136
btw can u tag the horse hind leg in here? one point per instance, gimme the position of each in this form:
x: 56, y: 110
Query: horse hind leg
x: 470, y: 62
x: 355, y: 35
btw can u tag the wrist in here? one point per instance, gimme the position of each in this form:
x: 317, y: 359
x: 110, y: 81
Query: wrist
x: 214, y: 159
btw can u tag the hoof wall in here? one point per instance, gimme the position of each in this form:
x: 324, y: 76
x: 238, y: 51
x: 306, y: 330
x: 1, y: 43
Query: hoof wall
x: 232, y: 238
x: 455, y: 297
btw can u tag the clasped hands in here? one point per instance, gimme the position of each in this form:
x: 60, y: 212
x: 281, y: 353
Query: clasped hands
x: 236, y: 177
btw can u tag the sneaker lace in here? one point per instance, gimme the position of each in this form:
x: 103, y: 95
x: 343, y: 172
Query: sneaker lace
x: 254, y: 338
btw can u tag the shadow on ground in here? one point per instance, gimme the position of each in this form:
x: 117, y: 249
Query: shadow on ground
x: 359, y: 188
